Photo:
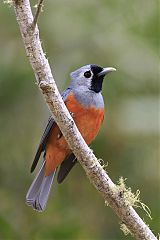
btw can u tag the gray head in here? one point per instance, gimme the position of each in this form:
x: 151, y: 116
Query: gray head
x: 89, y: 77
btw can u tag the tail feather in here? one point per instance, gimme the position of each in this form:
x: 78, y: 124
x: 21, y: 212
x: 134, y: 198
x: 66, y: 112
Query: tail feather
x: 38, y: 193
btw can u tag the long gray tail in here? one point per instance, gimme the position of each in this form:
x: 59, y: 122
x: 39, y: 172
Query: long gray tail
x: 38, y: 193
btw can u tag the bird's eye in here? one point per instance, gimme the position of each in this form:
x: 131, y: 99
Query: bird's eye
x: 87, y: 74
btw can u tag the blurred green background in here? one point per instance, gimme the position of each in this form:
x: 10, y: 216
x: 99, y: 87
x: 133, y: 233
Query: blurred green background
x: 122, y: 34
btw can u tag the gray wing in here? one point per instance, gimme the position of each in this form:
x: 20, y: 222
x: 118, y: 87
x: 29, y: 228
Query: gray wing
x: 42, y: 145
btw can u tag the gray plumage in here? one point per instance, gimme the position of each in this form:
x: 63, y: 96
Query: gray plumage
x: 38, y: 193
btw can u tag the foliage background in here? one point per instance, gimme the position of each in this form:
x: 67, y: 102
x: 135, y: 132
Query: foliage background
x: 123, y: 34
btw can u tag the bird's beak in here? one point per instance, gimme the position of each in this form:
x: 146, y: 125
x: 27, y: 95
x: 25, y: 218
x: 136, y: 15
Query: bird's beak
x: 106, y: 70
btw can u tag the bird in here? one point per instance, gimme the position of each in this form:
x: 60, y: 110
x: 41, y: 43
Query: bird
x: 83, y: 99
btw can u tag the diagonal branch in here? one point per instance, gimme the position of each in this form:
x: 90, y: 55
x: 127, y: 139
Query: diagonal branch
x: 39, y: 9
x: 95, y: 172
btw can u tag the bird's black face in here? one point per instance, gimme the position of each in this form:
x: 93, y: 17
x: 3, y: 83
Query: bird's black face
x: 89, y: 77
x: 93, y: 76
x: 96, y: 82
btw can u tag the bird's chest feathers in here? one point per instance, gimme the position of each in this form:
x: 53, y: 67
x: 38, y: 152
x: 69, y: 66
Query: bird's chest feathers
x: 87, y: 119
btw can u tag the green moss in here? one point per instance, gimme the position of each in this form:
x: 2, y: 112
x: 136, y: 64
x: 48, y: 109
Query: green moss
x: 124, y: 229
x: 103, y: 164
x: 9, y: 2
x: 132, y: 199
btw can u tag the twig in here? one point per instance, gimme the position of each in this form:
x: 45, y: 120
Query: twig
x: 98, y: 177
x: 39, y: 8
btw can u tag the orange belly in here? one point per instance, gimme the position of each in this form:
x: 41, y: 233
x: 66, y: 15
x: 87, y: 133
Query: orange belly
x: 88, y: 121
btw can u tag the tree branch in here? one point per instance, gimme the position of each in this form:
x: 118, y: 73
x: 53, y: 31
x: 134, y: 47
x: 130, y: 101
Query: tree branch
x: 97, y: 175
x: 39, y: 9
